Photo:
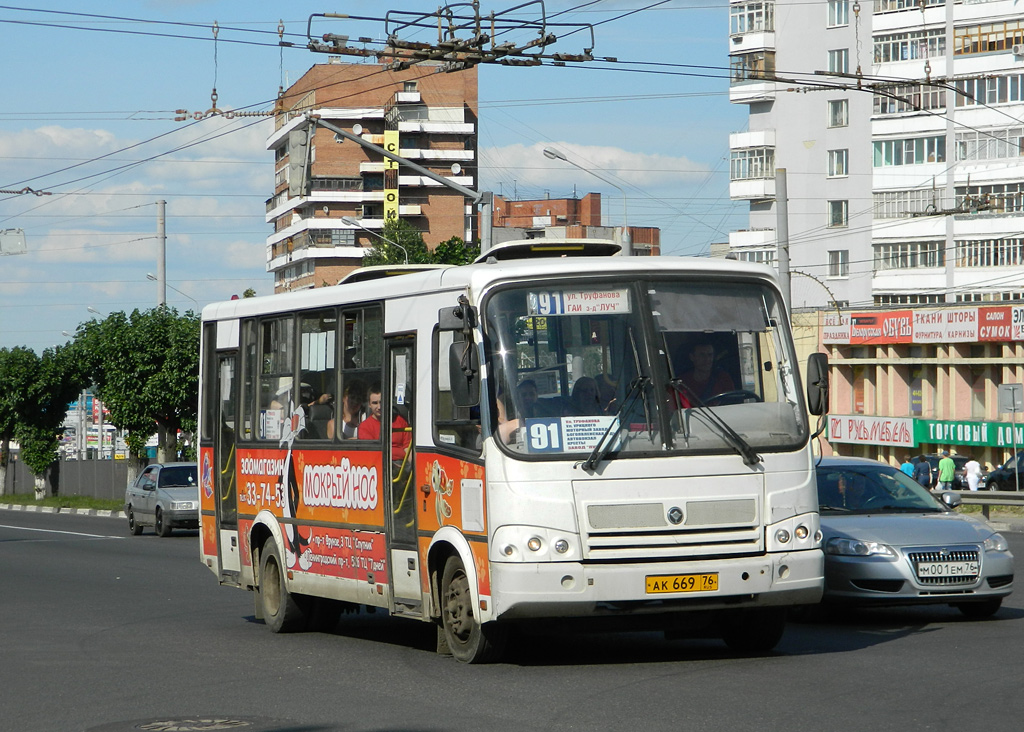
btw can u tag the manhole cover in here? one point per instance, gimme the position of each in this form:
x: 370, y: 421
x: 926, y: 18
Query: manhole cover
x: 192, y: 724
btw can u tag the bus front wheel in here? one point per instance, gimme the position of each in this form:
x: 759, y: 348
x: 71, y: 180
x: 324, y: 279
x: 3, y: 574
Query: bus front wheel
x: 468, y: 640
x: 280, y: 611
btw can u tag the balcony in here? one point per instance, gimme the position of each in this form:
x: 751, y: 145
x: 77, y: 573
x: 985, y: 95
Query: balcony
x: 755, y: 189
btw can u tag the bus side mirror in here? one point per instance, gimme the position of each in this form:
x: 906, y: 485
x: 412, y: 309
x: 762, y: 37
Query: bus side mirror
x: 817, y: 383
x: 464, y: 374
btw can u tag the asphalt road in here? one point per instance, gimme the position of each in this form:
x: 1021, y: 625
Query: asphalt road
x: 102, y: 632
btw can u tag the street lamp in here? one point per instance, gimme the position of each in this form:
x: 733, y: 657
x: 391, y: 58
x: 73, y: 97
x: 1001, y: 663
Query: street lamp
x: 553, y: 154
x: 153, y: 278
x: 93, y: 310
x: 352, y: 222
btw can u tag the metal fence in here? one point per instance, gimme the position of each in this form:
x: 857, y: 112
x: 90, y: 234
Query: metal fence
x: 987, y: 499
x: 91, y: 478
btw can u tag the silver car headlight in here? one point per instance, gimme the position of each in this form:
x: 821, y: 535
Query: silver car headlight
x: 858, y: 548
x: 997, y: 543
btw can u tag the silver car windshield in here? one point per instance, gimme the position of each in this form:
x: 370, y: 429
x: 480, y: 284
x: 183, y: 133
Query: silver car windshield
x: 652, y: 365
x: 183, y: 476
x: 847, y: 489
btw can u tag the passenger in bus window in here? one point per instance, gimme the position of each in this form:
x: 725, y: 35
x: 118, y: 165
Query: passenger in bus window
x: 370, y: 428
x: 584, y: 399
x: 524, y: 406
x: 705, y: 378
x: 320, y: 424
x: 351, y: 409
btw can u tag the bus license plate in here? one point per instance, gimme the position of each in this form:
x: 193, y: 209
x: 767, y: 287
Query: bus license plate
x: 682, y: 583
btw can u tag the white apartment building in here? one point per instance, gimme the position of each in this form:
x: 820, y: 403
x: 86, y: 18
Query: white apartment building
x: 900, y: 124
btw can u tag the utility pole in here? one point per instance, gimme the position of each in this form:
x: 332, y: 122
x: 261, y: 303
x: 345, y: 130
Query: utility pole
x: 161, y: 262
x: 782, y: 236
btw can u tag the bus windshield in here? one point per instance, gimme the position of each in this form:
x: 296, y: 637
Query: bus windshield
x: 631, y: 368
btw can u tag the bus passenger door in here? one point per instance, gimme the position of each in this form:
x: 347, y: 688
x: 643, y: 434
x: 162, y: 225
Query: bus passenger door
x: 224, y: 482
x: 399, y: 461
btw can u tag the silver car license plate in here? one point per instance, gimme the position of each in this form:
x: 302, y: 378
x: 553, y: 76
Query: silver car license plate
x: 948, y: 569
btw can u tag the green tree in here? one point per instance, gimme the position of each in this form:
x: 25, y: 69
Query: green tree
x: 455, y: 251
x: 145, y: 367
x: 18, y: 367
x: 411, y: 246
x: 401, y: 232
x: 57, y: 380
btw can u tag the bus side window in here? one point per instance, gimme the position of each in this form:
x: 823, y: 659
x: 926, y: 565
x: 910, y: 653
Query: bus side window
x: 453, y: 426
x: 277, y: 398
x: 318, y: 346
x: 362, y: 365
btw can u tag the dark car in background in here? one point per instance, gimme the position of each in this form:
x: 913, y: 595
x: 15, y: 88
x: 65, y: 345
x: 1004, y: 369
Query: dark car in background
x: 1005, y: 477
x: 889, y: 541
x: 959, y: 479
x: 164, y: 496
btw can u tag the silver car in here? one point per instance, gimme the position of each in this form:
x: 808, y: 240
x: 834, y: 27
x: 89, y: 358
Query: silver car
x: 165, y: 496
x: 888, y: 541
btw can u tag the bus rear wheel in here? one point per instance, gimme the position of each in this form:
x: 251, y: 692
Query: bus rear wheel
x: 755, y: 630
x: 280, y: 611
x: 468, y: 640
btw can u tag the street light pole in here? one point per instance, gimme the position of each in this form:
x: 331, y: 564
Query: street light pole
x: 352, y: 222
x: 553, y: 154
x: 161, y: 262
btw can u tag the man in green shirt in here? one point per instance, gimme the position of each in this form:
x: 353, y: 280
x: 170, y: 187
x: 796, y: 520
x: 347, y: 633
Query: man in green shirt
x: 947, y: 469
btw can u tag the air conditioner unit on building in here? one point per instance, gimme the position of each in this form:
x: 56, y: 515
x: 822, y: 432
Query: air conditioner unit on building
x: 1018, y: 49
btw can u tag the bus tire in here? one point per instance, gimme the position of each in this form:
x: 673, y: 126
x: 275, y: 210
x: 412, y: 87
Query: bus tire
x: 280, y: 611
x: 756, y: 630
x: 468, y: 640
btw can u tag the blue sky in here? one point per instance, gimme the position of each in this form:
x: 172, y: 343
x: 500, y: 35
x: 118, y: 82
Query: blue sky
x: 88, y: 115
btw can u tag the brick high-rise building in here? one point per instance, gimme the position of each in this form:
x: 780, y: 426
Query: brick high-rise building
x: 321, y: 180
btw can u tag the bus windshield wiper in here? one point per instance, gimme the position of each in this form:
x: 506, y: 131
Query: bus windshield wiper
x: 711, y: 419
x: 611, y: 433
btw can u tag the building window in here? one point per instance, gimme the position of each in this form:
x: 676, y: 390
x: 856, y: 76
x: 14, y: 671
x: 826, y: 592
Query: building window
x: 882, y: 300
x: 917, y: 382
x: 909, y: 255
x: 859, y: 383
x: 913, y: 151
x: 910, y: 45
x: 994, y: 198
x: 752, y: 163
x: 900, y: 204
x: 837, y: 160
x: 990, y: 144
x: 990, y: 90
x: 409, y: 86
x: 751, y: 66
x: 839, y: 263
x: 892, y: 6
x: 838, y: 213
x: 838, y: 112
x: 1002, y: 252
x: 839, y: 61
x: 987, y: 37
x: 752, y: 18
x: 759, y: 256
x: 838, y: 13
x: 900, y: 98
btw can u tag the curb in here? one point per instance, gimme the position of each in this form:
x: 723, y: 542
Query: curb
x: 55, y: 509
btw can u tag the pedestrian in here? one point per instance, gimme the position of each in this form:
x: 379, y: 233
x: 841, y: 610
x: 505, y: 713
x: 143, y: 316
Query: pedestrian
x: 972, y: 469
x: 907, y: 466
x: 923, y: 472
x: 947, y: 470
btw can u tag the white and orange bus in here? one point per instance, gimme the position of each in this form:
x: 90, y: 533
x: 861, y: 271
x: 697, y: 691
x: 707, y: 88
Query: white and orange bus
x: 551, y: 432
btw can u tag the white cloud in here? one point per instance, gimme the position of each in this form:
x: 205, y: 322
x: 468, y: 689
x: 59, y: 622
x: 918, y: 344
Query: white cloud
x: 530, y: 167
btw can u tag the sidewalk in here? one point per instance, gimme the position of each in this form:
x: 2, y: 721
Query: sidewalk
x: 55, y: 509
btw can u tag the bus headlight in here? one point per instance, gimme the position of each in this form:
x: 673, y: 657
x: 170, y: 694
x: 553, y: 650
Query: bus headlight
x: 533, y: 544
x: 796, y: 533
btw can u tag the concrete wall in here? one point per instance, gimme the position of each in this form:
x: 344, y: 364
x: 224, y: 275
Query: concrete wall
x: 104, y: 479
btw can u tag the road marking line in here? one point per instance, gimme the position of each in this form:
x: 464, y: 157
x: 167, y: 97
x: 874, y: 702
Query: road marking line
x: 54, y: 531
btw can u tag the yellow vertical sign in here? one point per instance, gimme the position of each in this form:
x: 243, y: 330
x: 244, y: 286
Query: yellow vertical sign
x: 390, y: 176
